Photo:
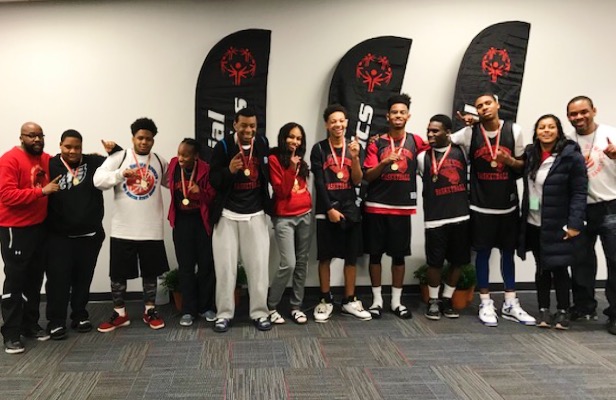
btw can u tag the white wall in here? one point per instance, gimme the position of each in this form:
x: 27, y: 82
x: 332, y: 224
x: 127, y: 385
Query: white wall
x: 98, y: 66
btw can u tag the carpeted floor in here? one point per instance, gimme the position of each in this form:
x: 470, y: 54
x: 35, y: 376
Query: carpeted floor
x: 342, y: 359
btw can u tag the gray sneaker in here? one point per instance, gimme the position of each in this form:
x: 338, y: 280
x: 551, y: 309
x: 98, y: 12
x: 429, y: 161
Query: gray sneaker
x: 433, y: 310
x: 186, y: 320
x: 209, y: 315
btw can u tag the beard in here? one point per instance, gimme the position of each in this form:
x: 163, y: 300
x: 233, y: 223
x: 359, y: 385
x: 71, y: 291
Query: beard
x: 31, y: 150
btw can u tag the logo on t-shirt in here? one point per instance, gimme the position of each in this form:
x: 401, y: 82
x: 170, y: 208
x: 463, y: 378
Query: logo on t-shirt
x: 68, y: 181
x: 140, y: 187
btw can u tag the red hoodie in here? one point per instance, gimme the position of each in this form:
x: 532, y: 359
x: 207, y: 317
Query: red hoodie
x: 288, y: 201
x: 22, y: 178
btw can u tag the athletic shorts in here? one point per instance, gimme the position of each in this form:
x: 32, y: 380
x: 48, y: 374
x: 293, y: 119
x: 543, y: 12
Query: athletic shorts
x: 490, y: 231
x: 339, y: 241
x: 129, y: 257
x: 449, y: 242
x: 389, y: 234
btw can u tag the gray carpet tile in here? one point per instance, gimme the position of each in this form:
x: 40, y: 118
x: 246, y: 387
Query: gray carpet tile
x: 345, y: 358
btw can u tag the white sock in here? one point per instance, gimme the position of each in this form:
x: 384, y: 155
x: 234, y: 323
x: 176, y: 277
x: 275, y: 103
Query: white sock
x: 121, y: 311
x: 509, y: 298
x: 377, y: 298
x: 148, y: 307
x: 448, y: 291
x: 484, y: 297
x: 396, y: 294
x: 433, y: 292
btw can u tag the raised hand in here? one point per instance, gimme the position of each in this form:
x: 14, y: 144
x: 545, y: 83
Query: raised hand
x: 52, y: 186
x: 108, y: 145
x: 236, y: 163
x: 468, y: 119
x: 610, y: 150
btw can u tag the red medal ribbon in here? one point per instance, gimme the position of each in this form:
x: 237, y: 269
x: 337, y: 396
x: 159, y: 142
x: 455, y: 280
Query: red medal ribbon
x: 436, y: 168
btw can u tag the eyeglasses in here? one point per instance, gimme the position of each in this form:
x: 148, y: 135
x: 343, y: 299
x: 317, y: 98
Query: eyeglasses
x: 33, y: 135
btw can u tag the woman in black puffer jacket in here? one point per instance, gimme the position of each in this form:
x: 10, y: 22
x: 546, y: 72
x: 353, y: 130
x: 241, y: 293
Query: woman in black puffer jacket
x: 553, y: 213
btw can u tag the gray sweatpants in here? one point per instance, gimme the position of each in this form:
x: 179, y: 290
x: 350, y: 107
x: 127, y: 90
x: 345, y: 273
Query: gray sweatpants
x: 293, y: 238
x: 249, y: 240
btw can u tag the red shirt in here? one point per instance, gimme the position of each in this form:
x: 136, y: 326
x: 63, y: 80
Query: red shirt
x: 22, y: 178
x: 290, y: 200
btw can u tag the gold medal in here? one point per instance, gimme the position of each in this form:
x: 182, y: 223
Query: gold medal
x: 75, y: 181
x: 434, y: 178
x: 493, y: 164
x: 144, y: 184
x: 394, y: 167
x: 339, y: 175
x: 247, y: 172
x: 186, y: 202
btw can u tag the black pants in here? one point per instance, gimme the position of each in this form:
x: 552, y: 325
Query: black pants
x: 193, y: 246
x: 23, y: 255
x: 544, y: 278
x: 601, y: 219
x: 71, y: 263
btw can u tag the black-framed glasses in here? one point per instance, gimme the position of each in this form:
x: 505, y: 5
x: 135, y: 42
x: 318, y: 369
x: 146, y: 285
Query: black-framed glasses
x: 34, y: 135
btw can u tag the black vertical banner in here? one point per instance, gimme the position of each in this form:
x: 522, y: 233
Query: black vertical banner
x: 365, y: 78
x: 233, y: 76
x: 494, y: 62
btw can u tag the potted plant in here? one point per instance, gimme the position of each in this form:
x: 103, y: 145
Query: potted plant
x: 465, y: 288
x: 171, y: 281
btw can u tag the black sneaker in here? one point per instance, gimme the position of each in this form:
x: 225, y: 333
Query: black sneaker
x: 545, y: 318
x: 14, y: 347
x: 57, y: 332
x: 576, y: 315
x: 433, y: 310
x: 447, y: 308
x: 262, y: 324
x: 611, y: 326
x: 82, y: 326
x: 36, y: 332
x: 561, y: 320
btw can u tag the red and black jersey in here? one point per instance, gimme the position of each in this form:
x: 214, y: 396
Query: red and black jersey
x: 394, y: 192
x: 492, y: 187
x: 447, y: 197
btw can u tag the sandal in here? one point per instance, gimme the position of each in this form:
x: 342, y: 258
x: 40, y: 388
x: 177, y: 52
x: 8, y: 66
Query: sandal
x: 402, y: 312
x: 299, y: 317
x: 276, y: 318
x: 376, y: 311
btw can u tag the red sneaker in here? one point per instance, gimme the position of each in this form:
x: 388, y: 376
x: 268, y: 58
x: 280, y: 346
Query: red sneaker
x: 116, y: 321
x: 152, y: 318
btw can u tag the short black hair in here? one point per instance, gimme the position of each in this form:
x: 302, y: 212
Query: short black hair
x: 192, y: 142
x: 490, y: 94
x: 245, y: 112
x: 71, y: 133
x: 332, y: 108
x: 401, y: 98
x: 580, y: 98
x: 443, y: 119
x: 143, y: 123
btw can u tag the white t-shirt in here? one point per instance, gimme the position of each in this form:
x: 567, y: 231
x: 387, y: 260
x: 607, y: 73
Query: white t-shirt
x: 138, y: 210
x: 535, y: 191
x: 463, y: 138
x: 601, y: 169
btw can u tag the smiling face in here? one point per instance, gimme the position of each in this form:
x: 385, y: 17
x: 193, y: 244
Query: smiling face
x: 397, y: 116
x: 32, y: 139
x: 294, y: 139
x: 186, y: 156
x: 336, y: 125
x: 547, y: 131
x: 582, y: 116
x: 143, y: 140
x: 246, y: 129
x: 438, y: 136
x: 70, y: 150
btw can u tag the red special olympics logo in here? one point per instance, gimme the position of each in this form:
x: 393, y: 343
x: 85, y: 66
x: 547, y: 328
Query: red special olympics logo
x: 496, y: 63
x: 238, y: 64
x: 374, y: 70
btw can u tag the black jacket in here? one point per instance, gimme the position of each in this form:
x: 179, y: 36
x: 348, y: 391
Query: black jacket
x: 563, y: 204
x: 222, y: 179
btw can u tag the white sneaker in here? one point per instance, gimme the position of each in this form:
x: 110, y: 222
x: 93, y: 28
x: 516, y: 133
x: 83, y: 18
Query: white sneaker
x: 487, y: 314
x: 356, y: 309
x: 514, y: 312
x: 275, y: 317
x: 323, y: 311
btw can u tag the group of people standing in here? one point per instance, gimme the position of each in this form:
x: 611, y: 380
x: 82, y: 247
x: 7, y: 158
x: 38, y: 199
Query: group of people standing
x: 218, y: 215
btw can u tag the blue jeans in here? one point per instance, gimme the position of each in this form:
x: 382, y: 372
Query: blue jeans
x: 601, y: 219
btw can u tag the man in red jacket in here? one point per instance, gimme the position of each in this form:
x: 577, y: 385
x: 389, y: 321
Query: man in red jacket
x: 24, y: 187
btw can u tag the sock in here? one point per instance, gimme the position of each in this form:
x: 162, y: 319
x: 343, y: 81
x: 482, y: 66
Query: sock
x: 485, y: 298
x: 327, y: 297
x: 377, y: 298
x: 448, y: 291
x: 396, y: 294
x: 148, y: 307
x: 121, y: 311
x: 433, y: 292
x: 349, y: 299
x: 509, y: 298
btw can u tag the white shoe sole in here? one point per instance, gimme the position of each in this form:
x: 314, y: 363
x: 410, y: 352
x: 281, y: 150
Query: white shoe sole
x: 514, y: 319
x: 348, y: 314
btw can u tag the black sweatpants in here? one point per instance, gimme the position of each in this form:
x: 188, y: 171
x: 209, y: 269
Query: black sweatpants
x: 71, y: 263
x: 23, y: 255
